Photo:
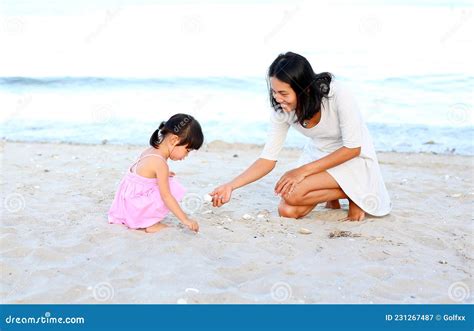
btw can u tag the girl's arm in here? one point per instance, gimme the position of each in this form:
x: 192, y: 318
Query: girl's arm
x: 257, y: 170
x: 162, y: 174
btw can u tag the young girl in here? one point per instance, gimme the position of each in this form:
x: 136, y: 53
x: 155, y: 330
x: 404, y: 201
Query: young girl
x: 148, y: 191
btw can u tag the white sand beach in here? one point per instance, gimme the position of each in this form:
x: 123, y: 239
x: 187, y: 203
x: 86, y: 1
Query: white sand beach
x: 57, y: 247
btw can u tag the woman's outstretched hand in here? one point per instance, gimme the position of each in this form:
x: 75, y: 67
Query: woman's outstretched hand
x: 221, y: 195
x: 288, y: 182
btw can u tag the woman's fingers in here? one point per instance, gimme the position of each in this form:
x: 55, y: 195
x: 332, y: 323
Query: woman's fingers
x: 217, y: 197
x: 281, y: 183
x: 285, y: 189
x: 215, y: 200
x: 290, y: 189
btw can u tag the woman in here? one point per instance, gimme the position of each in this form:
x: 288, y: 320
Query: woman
x: 339, y: 160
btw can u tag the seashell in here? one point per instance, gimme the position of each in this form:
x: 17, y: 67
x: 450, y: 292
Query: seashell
x: 304, y: 231
x: 191, y: 289
x: 247, y: 217
x: 207, y: 198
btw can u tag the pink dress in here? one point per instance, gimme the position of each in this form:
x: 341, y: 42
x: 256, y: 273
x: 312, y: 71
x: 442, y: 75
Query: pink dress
x: 137, y: 203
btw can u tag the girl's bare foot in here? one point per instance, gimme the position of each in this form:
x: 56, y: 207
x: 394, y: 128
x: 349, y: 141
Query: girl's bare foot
x: 155, y: 228
x: 334, y: 204
x: 355, y: 213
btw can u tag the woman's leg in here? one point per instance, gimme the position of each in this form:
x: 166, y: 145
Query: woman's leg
x: 307, y: 204
x: 286, y: 210
x: 314, y: 189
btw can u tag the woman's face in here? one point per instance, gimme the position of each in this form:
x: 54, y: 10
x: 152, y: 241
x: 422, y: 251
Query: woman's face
x: 283, y: 94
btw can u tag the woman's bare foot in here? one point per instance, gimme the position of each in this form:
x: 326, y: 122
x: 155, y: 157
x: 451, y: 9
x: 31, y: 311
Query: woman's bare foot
x: 355, y: 213
x: 334, y: 204
x: 155, y: 228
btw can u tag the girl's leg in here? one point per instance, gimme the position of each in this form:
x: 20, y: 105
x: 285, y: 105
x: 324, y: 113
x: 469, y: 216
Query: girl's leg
x: 155, y: 227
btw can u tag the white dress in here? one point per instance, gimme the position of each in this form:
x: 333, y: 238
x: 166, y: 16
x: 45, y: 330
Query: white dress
x: 341, y: 124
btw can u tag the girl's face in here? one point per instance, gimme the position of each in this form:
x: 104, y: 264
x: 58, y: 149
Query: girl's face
x: 283, y: 94
x: 179, y: 153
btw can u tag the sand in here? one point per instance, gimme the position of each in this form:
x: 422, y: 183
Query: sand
x: 57, y: 247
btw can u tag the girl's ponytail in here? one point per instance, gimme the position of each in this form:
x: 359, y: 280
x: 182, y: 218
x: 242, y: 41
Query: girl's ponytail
x: 158, y: 136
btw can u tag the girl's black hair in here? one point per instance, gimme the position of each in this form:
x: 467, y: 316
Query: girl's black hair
x: 184, y: 126
x: 310, y: 88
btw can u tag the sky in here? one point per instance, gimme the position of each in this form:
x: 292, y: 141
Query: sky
x: 235, y: 38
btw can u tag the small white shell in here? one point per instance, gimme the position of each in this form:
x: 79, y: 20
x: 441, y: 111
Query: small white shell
x: 247, y: 217
x: 191, y: 289
x: 304, y: 231
x: 207, y: 198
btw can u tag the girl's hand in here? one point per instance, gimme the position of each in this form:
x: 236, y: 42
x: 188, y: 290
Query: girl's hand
x: 221, y: 195
x: 288, y: 181
x: 192, y: 225
x: 172, y: 174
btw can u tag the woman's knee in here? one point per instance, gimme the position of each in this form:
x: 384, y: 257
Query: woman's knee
x: 298, y: 198
x: 285, y: 210
x: 292, y: 199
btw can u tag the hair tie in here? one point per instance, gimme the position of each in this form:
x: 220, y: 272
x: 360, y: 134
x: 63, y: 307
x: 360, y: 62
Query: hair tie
x: 160, y: 136
x: 324, y: 88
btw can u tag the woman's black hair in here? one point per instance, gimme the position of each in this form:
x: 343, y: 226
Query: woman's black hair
x: 184, y: 126
x: 310, y: 88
